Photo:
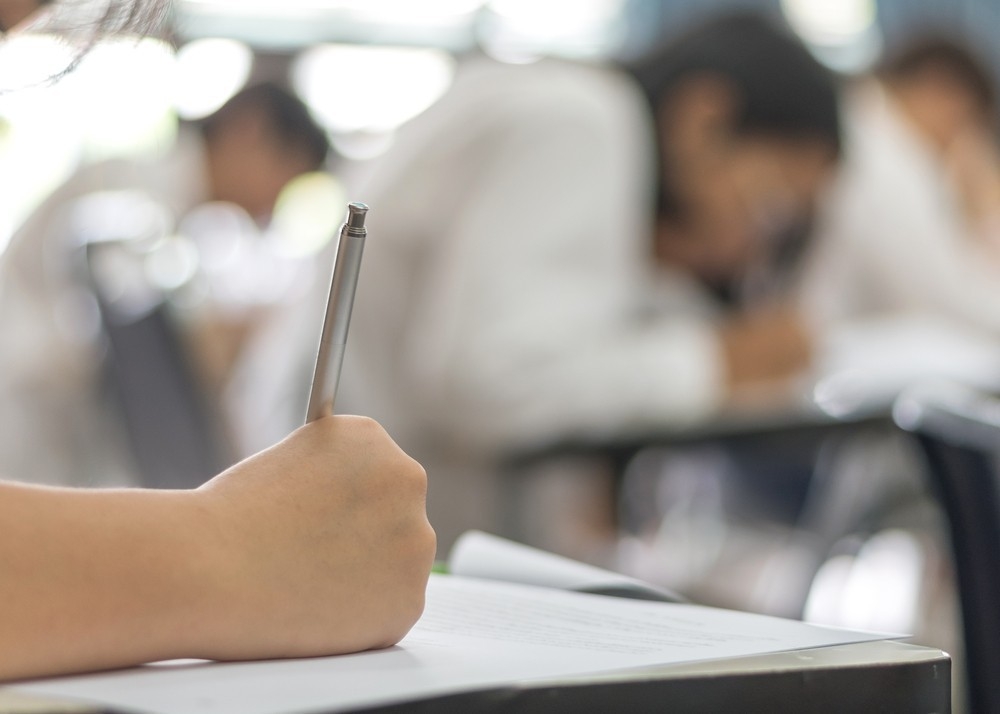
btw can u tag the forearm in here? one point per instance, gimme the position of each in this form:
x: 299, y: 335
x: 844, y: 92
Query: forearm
x: 318, y: 545
x: 101, y: 579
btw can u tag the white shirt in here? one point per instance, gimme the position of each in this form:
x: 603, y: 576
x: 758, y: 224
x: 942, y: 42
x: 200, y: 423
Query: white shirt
x: 506, y: 282
x: 893, y: 240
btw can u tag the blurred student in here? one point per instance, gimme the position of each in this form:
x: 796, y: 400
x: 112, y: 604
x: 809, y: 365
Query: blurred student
x: 65, y: 429
x: 904, y: 281
x: 913, y: 224
x: 560, y: 250
x: 318, y: 545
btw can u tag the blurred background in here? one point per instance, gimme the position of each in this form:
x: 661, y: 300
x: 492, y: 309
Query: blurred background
x: 326, y: 51
x: 133, y: 298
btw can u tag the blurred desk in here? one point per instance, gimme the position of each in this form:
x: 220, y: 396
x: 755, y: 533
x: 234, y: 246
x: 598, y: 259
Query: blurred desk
x: 784, y: 483
x: 780, y: 443
x: 792, y: 419
x: 866, y: 677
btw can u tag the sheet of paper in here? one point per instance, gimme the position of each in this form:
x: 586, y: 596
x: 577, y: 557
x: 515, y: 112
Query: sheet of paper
x: 865, y: 365
x: 474, y: 634
x: 482, y: 555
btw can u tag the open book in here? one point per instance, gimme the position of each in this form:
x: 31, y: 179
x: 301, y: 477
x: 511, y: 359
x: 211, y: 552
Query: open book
x: 476, y: 635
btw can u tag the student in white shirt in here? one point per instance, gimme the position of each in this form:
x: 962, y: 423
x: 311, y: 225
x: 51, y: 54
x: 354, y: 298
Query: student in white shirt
x: 547, y: 244
x: 912, y: 226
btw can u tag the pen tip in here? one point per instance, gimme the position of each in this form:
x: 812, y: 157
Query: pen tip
x: 356, y: 214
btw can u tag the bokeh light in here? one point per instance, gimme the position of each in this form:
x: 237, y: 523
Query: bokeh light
x: 208, y: 72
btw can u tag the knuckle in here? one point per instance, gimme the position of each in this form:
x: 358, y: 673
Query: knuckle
x: 428, y: 540
x: 354, y: 427
x: 413, y: 474
x: 368, y: 426
x: 417, y: 542
x: 414, y: 551
x: 419, y: 472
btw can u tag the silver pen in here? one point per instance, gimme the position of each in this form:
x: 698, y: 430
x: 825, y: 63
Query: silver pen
x: 330, y: 356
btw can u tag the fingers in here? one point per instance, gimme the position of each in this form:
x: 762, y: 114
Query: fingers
x: 330, y: 528
x: 358, y: 446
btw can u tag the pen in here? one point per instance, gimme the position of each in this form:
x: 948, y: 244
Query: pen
x: 330, y: 356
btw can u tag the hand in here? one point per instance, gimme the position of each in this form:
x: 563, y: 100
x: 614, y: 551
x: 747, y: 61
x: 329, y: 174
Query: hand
x: 766, y: 345
x: 325, y: 544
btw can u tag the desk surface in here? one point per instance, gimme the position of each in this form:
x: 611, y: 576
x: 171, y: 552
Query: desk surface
x: 865, y: 677
x: 870, y: 676
x: 786, y: 418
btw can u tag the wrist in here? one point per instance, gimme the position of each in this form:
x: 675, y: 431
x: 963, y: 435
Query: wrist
x: 235, y: 608
x: 187, y: 597
x: 212, y: 592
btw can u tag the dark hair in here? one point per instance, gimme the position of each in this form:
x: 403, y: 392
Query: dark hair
x: 947, y: 55
x: 285, y: 115
x: 117, y: 17
x: 782, y: 89
x: 131, y: 17
x: 73, y: 20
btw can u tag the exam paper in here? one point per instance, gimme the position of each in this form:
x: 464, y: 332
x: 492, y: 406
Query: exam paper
x: 475, y: 634
x: 482, y: 555
x: 865, y: 365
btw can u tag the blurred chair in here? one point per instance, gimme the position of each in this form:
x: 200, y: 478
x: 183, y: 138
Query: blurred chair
x: 959, y: 432
x: 174, y: 436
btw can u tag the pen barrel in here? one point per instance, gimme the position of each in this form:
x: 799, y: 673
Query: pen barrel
x: 321, y: 400
x: 333, y: 340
